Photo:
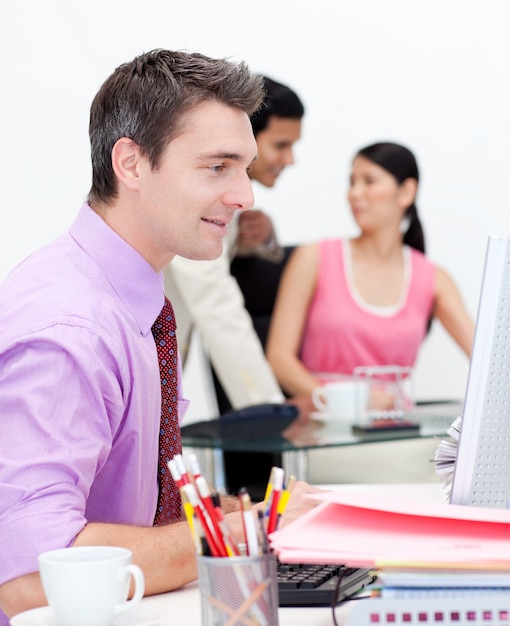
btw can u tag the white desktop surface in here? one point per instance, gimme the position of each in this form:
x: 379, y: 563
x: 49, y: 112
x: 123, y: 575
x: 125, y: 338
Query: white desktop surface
x: 183, y: 605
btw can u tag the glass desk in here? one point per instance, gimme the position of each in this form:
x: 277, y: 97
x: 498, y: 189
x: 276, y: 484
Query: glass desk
x: 292, y: 439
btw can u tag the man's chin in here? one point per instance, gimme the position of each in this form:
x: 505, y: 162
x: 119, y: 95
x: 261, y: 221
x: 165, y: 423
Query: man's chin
x: 205, y: 254
x: 268, y: 181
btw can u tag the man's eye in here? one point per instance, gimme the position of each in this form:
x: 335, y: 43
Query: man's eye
x: 217, y: 168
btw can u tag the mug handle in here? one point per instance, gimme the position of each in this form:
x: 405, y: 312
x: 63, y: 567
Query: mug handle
x: 139, y: 579
x: 318, y: 399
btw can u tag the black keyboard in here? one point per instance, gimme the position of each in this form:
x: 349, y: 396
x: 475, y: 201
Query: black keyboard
x: 314, y: 585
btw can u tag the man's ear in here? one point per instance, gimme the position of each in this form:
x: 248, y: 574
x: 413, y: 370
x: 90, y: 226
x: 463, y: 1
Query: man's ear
x: 126, y: 163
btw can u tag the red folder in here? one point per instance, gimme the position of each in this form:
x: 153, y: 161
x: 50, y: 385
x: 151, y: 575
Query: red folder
x: 376, y: 531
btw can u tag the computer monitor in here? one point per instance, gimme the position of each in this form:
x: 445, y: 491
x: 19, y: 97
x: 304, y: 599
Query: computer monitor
x: 482, y: 468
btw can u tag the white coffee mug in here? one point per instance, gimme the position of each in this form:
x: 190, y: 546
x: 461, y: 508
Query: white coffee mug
x: 89, y: 584
x: 345, y: 399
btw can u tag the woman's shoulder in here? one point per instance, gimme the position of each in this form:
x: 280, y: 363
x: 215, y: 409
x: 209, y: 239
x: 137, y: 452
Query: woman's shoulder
x: 440, y: 273
x: 420, y: 259
x: 331, y: 245
x: 444, y: 281
x: 305, y: 252
x: 320, y: 249
x: 326, y: 242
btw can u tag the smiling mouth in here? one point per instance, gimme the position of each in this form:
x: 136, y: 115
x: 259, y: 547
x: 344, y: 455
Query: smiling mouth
x: 217, y: 222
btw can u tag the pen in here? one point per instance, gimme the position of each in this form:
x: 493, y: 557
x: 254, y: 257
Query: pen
x: 250, y: 601
x: 250, y: 532
x: 194, y: 465
x: 230, y: 543
x: 269, y: 487
x: 176, y: 474
x: 203, y: 548
x: 284, y: 498
x: 182, y: 468
x: 262, y: 533
x: 194, y: 524
x: 197, y: 508
x: 277, y: 488
x: 205, y: 496
x: 228, y: 610
x: 186, y: 504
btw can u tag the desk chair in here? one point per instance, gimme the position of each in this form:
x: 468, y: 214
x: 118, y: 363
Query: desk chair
x: 258, y: 280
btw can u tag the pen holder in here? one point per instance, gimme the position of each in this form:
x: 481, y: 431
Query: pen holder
x: 238, y: 590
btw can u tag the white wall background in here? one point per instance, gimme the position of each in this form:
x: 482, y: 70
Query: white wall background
x: 433, y: 75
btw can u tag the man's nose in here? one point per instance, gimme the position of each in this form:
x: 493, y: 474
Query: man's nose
x: 240, y: 195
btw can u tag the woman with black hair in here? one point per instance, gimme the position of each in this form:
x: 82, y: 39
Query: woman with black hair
x: 365, y: 301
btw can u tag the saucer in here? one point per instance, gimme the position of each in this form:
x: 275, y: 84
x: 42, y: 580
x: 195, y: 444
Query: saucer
x: 138, y: 615
x: 322, y: 416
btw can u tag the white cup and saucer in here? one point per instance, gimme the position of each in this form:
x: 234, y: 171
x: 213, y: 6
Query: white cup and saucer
x: 89, y: 585
x: 341, y: 400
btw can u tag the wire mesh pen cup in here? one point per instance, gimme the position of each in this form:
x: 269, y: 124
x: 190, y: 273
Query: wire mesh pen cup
x: 238, y: 590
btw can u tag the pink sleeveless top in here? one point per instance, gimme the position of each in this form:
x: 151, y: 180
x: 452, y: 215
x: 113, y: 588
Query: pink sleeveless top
x: 343, y: 331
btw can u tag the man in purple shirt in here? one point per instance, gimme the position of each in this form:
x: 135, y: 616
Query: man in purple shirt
x: 80, y: 392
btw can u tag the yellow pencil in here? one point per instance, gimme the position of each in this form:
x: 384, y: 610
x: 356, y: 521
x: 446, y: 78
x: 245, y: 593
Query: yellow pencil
x: 284, y: 498
x: 269, y: 487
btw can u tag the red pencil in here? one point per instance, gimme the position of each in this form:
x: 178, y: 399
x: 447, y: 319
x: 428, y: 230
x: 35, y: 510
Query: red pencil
x: 197, y: 507
x: 205, y: 496
x: 277, y: 489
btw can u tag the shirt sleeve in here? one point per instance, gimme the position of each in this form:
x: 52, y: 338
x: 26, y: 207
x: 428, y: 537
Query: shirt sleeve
x: 58, y: 405
x: 214, y: 302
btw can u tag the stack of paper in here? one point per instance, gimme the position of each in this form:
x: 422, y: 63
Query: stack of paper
x: 385, y: 533
x: 437, y: 582
x: 446, y: 455
x: 436, y: 562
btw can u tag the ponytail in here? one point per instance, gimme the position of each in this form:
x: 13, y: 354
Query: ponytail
x: 414, y: 236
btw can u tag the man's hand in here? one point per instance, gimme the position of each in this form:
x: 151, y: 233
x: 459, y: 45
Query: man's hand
x: 299, y: 503
x: 255, y: 228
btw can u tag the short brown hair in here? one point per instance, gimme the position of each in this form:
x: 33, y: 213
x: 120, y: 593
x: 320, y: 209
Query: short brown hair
x: 146, y: 99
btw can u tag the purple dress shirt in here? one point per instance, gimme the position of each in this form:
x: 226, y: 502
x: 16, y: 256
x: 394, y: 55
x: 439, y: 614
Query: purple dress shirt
x: 79, y: 392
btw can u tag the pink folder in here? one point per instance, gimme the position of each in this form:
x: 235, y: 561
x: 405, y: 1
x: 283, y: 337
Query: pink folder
x: 369, y: 531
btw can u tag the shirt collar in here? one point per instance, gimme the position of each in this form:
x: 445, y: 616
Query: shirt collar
x: 134, y: 280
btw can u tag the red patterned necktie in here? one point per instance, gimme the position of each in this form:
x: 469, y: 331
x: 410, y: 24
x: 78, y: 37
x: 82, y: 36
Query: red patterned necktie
x: 163, y: 330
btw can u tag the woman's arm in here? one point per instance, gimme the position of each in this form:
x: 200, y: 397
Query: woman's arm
x: 288, y: 321
x: 451, y: 312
